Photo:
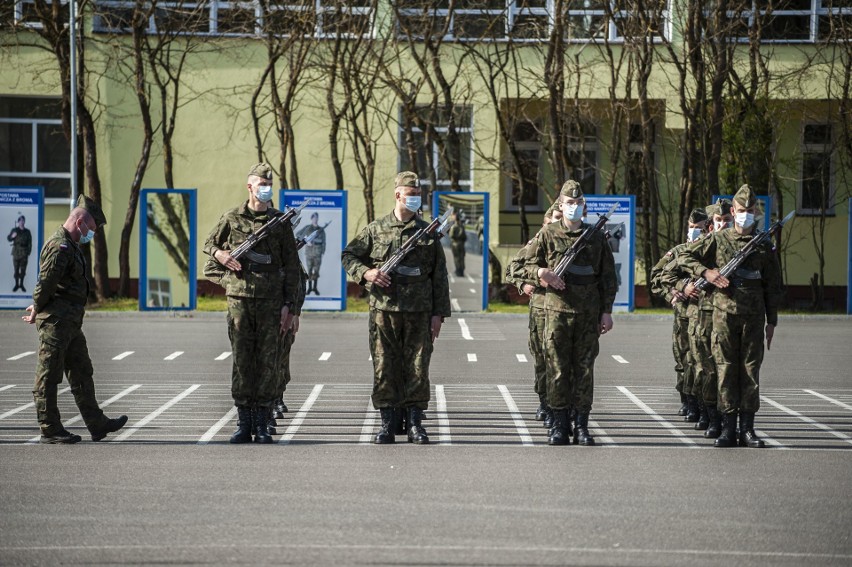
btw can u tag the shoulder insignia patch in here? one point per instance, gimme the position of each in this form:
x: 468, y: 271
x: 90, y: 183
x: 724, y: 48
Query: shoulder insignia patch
x: 63, y: 246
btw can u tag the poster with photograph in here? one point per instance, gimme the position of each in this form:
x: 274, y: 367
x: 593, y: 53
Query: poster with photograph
x: 21, y: 221
x: 621, y: 228
x: 322, y: 230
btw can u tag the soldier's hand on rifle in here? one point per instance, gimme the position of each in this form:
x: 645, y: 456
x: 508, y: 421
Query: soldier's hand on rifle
x: 436, y: 323
x: 770, y: 332
x: 377, y: 277
x: 295, y: 325
x: 224, y: 258
x: 715, y: 278
x: 286, y: 319
x: 677, y: 297
x: 30, y: 316
x: 691, y: 291
x: 528, y: 289
x: 550, y: 279
x: 606, y: 323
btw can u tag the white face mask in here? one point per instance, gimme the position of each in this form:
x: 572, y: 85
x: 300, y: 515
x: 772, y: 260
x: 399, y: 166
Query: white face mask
x: 413, y: 203
x: 744, y: 220
x: 719, y: 225
x: 573, y: 212
x: 264, y: 193
x: 693, y: 234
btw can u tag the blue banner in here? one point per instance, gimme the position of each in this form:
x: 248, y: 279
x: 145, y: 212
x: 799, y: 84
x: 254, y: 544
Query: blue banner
x: 22, y: 225
x: 621, y: 230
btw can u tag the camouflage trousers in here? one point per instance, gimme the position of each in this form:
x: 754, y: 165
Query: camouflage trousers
x: 285, y: 346
x: 706, y: 382
x: 254, y: 330
x: 458, y: 256
x: 571, y: 346
x: 63, y: 351
x: 737, y: 344
x: 680, y: 350
x: 314, y: 262
x: 538, y: 319
x: 401, y: 345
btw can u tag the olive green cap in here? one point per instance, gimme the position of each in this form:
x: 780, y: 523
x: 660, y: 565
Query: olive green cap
x: 698, y: 216
x: 745, y: 197
x: 262, y: 170
x: 571, y: 189
x: 407, y: 179
x: 92, y: 208
x: 721, y: 207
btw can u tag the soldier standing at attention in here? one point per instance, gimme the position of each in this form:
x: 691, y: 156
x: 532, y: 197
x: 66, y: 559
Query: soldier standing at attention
x: 284, y: 355
x: 458, y: 237
x: 407, y: 308
x: 313, y: 251
x: 22, y: 244
x: 261, y: 302
x: 743, y: 303
x: 578, y: 310
x: 59, y: 302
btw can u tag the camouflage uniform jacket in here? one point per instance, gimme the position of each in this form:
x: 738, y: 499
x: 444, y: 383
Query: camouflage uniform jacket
x: 301, y: 290
x: 517, y: 275
x: 756, y: 287
x: 232, y: 230
x: 664, y: 275
x: 22, y: 243
x: 62, y: 286
x: 590, y: 293
x: 428, y: 291
x: 458, y: 234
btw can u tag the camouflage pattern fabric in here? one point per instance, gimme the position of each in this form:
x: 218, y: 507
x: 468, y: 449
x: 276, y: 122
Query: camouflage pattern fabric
x: 664, y: 275
x: 571, y: 347
x: 458, y: 237
x: 22, y: 243
x: 285, y: 342
x: 62, y: 286
x: 737, y: 344
x: 401, y: 346
x: 314, y: 250
x: 517, y: 275
x: 706, y: 381
x: 253, y: 327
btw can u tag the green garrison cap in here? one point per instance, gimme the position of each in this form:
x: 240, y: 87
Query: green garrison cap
x: 745, y: 197
x: 262, y: 170
x: 571, y: 189
x: 407, y: 179
x: 92, y: 208
x: 721, y: 207
x: 697, y: 216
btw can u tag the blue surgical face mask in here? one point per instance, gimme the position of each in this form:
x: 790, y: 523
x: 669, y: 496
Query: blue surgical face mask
x: 412, y: 203
x: 264, y: 193
x: 573, y: 212
x: 86, y: 238
x: 744, y: 220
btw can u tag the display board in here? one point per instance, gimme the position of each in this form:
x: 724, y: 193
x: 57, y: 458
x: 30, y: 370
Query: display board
x: 21, y: 223
x: 622, y: 230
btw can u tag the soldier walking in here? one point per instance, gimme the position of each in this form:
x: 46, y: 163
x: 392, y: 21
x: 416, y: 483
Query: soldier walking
x: 407, y: 308
x: 261, y: 301
x: 458, y: 238
x: 313, y: 251
x: 578, y: 310
x: 22, y: 245
x: 59, y: 302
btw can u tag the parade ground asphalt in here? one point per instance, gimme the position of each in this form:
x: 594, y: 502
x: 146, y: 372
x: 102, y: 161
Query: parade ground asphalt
x: 488, y: 490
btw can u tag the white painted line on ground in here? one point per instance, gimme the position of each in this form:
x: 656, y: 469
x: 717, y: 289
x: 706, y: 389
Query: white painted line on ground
x: 470, y: 279
x: 7, y: 387
x: 808, y: 420
x: 471, y: 357
x: 104, y: 404
x: 662, y: 421
x: 465, y: 331
x: 22, y: 355
x: 300, y: 416
x: 369, y: 424
x: 454, y: 303
x: 27, y: 406
x: 174, y: 355
x: 452, y: 278
x: 223, y: 356
x: 325, y: 356
x: 521, y: 357
x: 520, y: 424
x: 156, y: 413
x: 472, y: 290
x: 826, y: 398
x: 123, y: 355
x: 370, y: 358
x: 619, y: 358
x: 601, y: 434
x: 219, y: 425
x: 444, y: 437
x: 769, y: 440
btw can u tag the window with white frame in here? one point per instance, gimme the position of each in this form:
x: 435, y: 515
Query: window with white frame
x: 25, y: 13
x: 527, y: 139
x: 791, y: 21
x: 633, y: 180
x: 33, y: 148
x: 816, y: 192
x: 582, y: 156
x: 159, y: 293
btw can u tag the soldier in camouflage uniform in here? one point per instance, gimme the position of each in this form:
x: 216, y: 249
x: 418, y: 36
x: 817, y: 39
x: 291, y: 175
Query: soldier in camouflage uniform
x: 261, y: 301
x: 458, y: 237
x: 407, y: 308
x: 59, y: 302
x: 313, y: 251
x: 578, y: 310
x: 743, y: 303
x: 22, y: 245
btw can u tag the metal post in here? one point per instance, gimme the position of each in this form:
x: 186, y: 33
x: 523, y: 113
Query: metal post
x: 72, y: 11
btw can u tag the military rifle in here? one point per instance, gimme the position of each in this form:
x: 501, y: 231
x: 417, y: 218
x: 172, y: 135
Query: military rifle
x: 437, y: 228
x: 302, y: 242
x: 579, y: 244
x: 746, y: 251
x: 245, y: 248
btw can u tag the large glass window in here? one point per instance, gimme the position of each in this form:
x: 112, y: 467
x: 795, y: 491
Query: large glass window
x: 793, y: 20
x: 583, y: 155
x: 25, y: 12
x: 33, y: 148
x: 816, y: 193
x: 527, y: 139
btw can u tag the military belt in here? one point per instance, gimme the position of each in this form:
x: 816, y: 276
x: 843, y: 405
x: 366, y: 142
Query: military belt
x: 741, y: 283
x: 574, y: 279
x: 747, y: 274
x: 405, y: 280
x: 253, y: 267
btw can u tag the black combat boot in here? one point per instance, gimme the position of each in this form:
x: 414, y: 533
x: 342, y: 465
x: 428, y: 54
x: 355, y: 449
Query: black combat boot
x: 683, y: 405
x: 541, y: 412
x: 386, y: 433
x: 400, y: 421
x: 60, y: 437
x: 271, y: 425
x: 111, y: 426
x: 260, y: 423
x: 728, y: 437
x: 748, y: 438
x: 548, y: 418
x: 279, y: 409
x: 416, y: 433
x: 703, y: 416
x: 243, y: 432
x: 714, y: 427
x: 692, y: 410
x: 581, y: 430
x: 560, y: 433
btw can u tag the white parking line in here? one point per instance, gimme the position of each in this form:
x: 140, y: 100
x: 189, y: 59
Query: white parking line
x: 444, y: 437
x: 521, y: 357
x: 471, y: 357
x: 808, y: 420
x: 672, y: 429
x: 472, y: 290
x: 520, y: 424
x: 300, y: 416
x: 769, y: 440
x: 619, y: 358
x: 219, y: 425
x: 29, y: 405
x: 465, y: 331
x: 602, y: 436
x: 156, y: 413
x: 123, y: 355
x: 454, y: 303
x: 7, y: 387
x: 325, y: 356
x: 174, y: 355
x: 369, y: 424
x: 470, y: 279
x: 452, y: 278
x: 223, y: 356
x: 826, y: 398
x: 22, y: 355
